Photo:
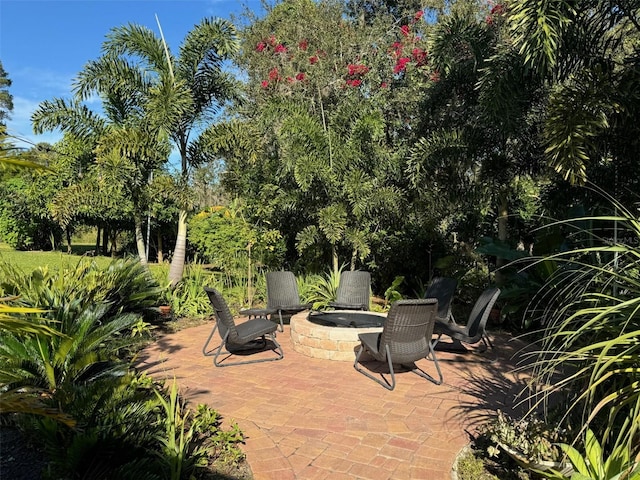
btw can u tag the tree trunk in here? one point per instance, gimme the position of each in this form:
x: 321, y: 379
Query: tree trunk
x: 160, y: 254
x: 67, y: 232
x: 249, y: 277
x: 137, y: 222
x: 105, y: 240
x: 177, y: 262
x: 503, y: 222
x: 96, y: 251
x: 334, y: 254
x: 114, y: 238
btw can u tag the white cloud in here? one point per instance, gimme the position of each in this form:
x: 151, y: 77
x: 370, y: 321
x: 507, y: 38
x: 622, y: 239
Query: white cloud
x: 20, y: 125
x: 42, y: 84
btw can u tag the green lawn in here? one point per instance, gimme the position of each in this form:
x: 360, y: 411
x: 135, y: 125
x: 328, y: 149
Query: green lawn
x: 29, y: 261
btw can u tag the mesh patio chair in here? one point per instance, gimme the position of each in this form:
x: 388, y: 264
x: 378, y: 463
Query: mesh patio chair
x: 354, y: 291
x: 405, y: 338
x: 282, y: 294
x: 247, y: 337
x: 443, y: 289
x: 475, y: 329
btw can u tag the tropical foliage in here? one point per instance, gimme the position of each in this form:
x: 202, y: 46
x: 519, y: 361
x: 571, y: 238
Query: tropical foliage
x: 65, y: 371
x: 393, y: 136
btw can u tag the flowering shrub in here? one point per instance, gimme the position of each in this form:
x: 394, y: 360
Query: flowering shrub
x: 290, y: 61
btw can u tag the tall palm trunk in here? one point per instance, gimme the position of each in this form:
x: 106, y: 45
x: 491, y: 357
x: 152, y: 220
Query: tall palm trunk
x: 177, y: 262
x: 160, y: 247
x: 142, y: 254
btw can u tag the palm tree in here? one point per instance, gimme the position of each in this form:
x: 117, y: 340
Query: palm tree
x: 589, y: 52
x: 180, y: 93
x: 127, y: 149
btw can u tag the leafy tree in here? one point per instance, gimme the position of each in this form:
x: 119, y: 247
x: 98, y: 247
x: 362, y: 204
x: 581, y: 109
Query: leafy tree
x: 327, y: 96
x: 6, y: 99
x: 178, y: 92
x: 478, y: 151
x: 25, y: 219
x: 589, y: 53
x: 126, y: 146
x: 226, y: 240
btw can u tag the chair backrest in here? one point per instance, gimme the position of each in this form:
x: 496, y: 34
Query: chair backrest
x: 443, y: 289
x: 226, y: 325
x: 480, y: 313
x: 354, y: 288
x: 408, y: 329
x: 282, y: 289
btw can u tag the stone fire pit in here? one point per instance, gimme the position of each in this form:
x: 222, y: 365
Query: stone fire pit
x: 325, y: 340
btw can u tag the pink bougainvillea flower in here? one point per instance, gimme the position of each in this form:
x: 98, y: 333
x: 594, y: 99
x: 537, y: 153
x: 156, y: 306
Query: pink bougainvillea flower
x: 313, y: 60
x: 435, y: 76
x: 291, y: 79
x: 396, y: 49
x: 419, y: 14
x: 264, y: 84
x: 384, y: 85
x: 300, y: 76
x: 357, y: 69
x: 404, y: 30
x: 489, y: 20
x: 419, y: 56
x: 303, y: 45
x: 274, y: 74
x: 354, y: 82
x: 272, y: 40
x: 498, y: 9
x: 280, y: 48
x: 261, y: 46
x: 401, y: 65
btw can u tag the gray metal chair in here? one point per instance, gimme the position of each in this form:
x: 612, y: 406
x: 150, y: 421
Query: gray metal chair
x: 475, y: 329
x: 405, y: 338
x: 443, y: 289
x: 247, y: 337
x: 354, y: 291
x: 282, y: 294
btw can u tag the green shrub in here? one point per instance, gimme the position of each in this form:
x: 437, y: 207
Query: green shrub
x: 225, y: 239
x: 317, y: 289
x: 95, y: 418
x: 470, y: 467
x: 530, y: 437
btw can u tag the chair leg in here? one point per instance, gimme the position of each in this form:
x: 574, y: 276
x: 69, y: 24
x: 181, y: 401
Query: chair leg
x: 487, y: 340
x: 204, y: 348
x: 219, y: 363
x: 281, y: 328
x: 423, y: 374
x: 385, y: 384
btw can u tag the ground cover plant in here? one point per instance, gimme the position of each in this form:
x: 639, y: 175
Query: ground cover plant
x: 66, y: 340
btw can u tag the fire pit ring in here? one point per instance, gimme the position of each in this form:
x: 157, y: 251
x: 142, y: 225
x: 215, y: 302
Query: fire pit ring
x: 332, y: 335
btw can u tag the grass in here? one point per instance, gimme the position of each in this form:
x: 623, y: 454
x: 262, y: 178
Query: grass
x: 28, y: 261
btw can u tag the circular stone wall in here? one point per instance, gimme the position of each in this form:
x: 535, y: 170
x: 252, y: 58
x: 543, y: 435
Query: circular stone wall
x: 320, y: 341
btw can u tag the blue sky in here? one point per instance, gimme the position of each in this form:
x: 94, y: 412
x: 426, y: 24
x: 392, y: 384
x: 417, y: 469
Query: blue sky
x: 45, y: 43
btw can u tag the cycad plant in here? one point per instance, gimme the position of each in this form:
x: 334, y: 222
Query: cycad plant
x: 91, y: 312
x: 590, y: 345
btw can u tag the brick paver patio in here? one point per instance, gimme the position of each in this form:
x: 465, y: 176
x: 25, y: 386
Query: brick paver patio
x: 308, y: 418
